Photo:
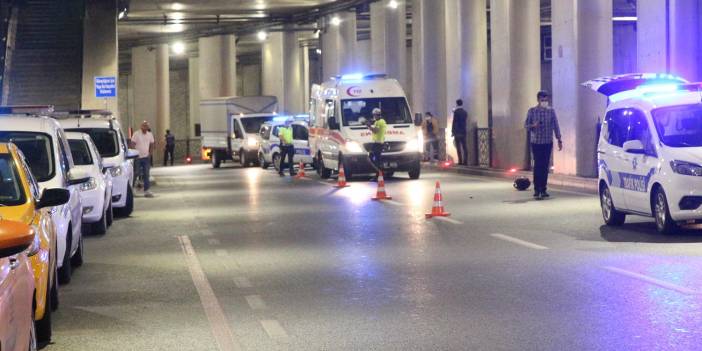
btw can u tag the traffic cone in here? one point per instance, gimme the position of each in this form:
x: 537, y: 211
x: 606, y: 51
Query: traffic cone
x: 301, y: 171
x: 438, y: 209
x: 381, y: 195
x: 341, y: 182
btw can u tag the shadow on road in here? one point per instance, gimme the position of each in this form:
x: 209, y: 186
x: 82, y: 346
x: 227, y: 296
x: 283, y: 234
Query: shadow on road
x: 645, y: 232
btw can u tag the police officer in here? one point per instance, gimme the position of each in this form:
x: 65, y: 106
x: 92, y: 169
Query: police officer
x: 378, y: 129
x: 287, y: 148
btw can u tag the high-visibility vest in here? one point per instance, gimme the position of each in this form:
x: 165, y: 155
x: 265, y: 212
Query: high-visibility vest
x: 286, y: 135
x: 379, y: 136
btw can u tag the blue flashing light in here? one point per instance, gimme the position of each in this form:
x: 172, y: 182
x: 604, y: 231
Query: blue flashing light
x: 281, y: 118
x: 353, y: 76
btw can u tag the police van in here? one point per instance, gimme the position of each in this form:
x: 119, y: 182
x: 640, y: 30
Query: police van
x: 650, y: 149
x: 339, y: 111
x: 269, y: 151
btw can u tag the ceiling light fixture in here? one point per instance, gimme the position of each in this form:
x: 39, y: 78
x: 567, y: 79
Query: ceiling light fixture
x: 393, y: 4
x: 335, y: 21
x: 178, y: 48
x: 177, y: 6
x: 262, y: 36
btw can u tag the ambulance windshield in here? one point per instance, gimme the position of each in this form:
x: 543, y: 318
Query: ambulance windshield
x: 679, y: 126
x: 356, y: 112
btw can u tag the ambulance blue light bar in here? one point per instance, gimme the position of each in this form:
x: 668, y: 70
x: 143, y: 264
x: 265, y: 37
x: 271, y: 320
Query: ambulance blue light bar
x: 361, y: 76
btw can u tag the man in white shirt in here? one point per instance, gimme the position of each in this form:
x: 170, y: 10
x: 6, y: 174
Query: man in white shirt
x: 143, y: 141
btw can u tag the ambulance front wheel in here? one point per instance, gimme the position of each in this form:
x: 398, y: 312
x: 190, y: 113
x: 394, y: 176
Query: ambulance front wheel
x: 324, y: 172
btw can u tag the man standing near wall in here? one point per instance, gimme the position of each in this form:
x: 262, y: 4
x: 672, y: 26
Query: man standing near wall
x: 542, y: 124
x: 459, y: 131
x: 143, y: 141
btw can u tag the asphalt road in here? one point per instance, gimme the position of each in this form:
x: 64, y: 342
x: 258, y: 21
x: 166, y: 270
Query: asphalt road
x: 242, y: 259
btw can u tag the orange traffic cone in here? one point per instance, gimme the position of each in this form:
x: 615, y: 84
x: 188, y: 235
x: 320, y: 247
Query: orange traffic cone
x: 381, y: 195
x: 301, y: 171
x: 341, y: 182
x: 438, y: 209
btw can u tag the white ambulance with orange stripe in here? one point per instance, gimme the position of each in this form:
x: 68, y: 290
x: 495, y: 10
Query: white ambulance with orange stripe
x: 339, y: 135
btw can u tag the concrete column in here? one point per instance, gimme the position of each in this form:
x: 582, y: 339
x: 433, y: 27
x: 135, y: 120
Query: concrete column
x: 516, y: 76
x: 582, y: 50
x: 151, y: 91
x: 282, y: 71
x: 338, y: 45
x: 306, y: 80
x: 417, y: 70
x: 474, y: 69
x: 217, y: 66
x: 669, y: 37
x: 389, y: 40
x: 99, y: 52
x: 194, y: 96
x: 362, y: 56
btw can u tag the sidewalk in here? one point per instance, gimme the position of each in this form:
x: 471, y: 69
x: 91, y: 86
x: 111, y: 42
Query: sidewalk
x: 560, y: 181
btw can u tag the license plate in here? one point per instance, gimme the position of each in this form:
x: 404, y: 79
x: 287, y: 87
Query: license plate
x: 390, y: 164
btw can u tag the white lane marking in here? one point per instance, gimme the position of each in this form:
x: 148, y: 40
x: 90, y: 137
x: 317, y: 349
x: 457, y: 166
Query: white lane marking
x: 654, y: 281
x: 206, y: 232
x: 519, y: 242
x: 393, y: 202
x: 214, y: 241
x: 255, y: 302
x: 221, y: 252
x: 242, y: 283
x: 324, y: 183
x: 448, y: 219
x: 274, y: 329
x: 213, y: 310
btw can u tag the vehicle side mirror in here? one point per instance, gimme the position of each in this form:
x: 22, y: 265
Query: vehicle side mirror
x: 15, y: 237
x: 132, y: 154
x: 77, y: 176
x: 417, y: 119
x: 333, y: 123
x: 634, y: 147
x: 53, y: 197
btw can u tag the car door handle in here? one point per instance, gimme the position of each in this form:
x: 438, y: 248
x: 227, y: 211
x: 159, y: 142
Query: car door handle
x: 14, y: 263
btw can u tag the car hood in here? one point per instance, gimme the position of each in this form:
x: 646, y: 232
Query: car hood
x: 689, y: 154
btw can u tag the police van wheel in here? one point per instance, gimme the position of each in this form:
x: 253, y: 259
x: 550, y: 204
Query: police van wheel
x: 610, y: 214
x: 276, y: 161
x: 262, y: 161
x: 664, y: 222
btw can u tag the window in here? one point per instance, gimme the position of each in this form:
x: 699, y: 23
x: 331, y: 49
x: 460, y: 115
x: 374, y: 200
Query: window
x: 11, y: 192
x: 679, y: 126
x: 237, y: 130
x: 266, y: 132
x: 37, y: 149
x: 65, y: 157
x: 275, y: 131
x: 356, y: 112
x: 105, y: 139
x: 615, y: 127
x: 253, y: 124
x: 300, y: 132
x: 329, y: 111
x: 80, y: 152
x: 639, y: 130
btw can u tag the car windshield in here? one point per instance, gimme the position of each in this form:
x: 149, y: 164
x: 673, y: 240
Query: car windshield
x: 679, y: 126
x: 11, y: 192
x: 356, y: 112
x: 253, y: 124
x: 80, y: 152
x: 105, y: 140
x: 37, y: 149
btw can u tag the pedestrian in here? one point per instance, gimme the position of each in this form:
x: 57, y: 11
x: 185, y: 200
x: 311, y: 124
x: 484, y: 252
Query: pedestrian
x: 459, y: 131
x: 430, y: 128
x: 143, y: 141
x: 378, y: 128
x: 170, y: 148
x: 542, y: 124
x: 287, y: 148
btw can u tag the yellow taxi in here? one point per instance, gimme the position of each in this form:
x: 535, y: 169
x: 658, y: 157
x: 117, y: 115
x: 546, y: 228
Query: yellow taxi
x: 22, y: 201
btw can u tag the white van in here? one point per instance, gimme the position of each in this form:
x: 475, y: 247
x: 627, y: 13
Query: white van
x: 650, y: 150
x: 231, y: 125
x: 340, y: 108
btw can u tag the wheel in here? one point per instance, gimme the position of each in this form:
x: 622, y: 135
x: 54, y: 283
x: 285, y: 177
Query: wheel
x: 110, y: 214
x: 77, y: 259
x: 129, y: 205
x: 32, y: 335
x: 243, y: 160
x: 276, y: 161
x: 262, y: 161
x: 323, y: 171
x: 64, y: 273
x: 664, y: 222
x: 415, y: 171
x: 99, y: 227
x: 216, y: 160
x: 43, y: 326
x: 610, y: 214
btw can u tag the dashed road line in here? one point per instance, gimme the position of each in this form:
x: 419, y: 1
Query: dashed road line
x: 393, y: 202
x: 255, y: 302
x: 224, y: 337
x: 274, y: 329
x: 651, y: 280
x: 214, y: 241
x: 448, y: 219
x: 242, y: 283
x: 519, y: 241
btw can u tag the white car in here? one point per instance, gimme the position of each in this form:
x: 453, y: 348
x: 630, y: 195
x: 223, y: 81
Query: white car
x: 107, y: 135
x: 269, y: 151
x: 45, y: 147
x: 95, y: 194
x: 650, y: 150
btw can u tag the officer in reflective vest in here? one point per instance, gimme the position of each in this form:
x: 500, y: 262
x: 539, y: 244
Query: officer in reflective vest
x: 287, y: 148
x: 378, y: 130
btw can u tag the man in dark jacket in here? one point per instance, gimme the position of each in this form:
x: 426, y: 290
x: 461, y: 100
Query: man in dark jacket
x: 459, y: 131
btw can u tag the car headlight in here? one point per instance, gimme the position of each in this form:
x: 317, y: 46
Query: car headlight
x: 354, y: 147
x: 89, y: 185
x: 116, y: 171
x: 36, y: 243
x: 686, y: 168
x: 252, y: 142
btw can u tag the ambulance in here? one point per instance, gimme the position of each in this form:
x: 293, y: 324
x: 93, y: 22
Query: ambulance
x: 339, y: 136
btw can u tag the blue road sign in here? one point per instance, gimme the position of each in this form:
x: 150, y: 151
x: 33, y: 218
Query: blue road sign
x: 105, y: 87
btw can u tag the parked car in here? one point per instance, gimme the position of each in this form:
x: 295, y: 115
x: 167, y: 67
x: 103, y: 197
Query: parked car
x: 22, y: 201
x: 113, y: 147
x: 16, y: 288
x: 45, y: 147
x: 269, y: 151
x: 96, y: 193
